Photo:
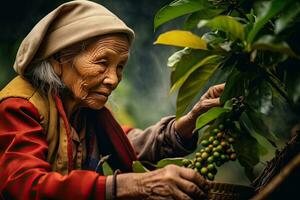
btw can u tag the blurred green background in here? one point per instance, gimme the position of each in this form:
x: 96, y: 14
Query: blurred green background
x: 143, y: 97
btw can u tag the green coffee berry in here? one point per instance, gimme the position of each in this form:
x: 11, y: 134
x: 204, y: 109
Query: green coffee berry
x: 203, y: 170
x: 210, y: 159
x: 204, y: 155
x: 210, y: 176
x: 216, y: 143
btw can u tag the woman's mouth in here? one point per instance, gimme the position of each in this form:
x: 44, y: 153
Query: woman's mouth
x: 106, y: 94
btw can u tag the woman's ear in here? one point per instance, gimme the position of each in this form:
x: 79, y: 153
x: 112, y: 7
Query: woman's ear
x: 57, y: 66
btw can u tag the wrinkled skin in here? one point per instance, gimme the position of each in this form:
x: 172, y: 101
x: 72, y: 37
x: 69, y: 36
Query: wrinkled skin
x: 186, y: 124
x: 171, y: 182
x: 94, y: 73
x: 91, y: 76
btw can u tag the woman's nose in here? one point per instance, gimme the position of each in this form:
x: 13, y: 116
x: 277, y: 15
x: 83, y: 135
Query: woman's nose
x: 111, y: 78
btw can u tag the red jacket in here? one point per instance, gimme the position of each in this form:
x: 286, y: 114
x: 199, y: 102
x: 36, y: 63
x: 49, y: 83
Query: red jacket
x: 24, y: 172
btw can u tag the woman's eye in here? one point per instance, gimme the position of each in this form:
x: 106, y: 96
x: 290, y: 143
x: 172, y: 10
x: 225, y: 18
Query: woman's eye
x: 102, y: 62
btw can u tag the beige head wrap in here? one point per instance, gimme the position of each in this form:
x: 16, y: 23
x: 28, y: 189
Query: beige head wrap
x: 68, y: 24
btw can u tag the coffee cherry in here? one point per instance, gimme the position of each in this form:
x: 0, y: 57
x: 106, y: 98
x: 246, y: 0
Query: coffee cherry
x: 210, y: 176
x: 219, y: 148
x: 215, y: 131
x: 205, y: 143
x: 211, y: 167
x: 203, y: 170
x: 219, y: 135
x: 198, y: 164
x: 204, y: 155
x: 232, y: 156
x: 216, y: 143
x: 224, y: 144
x: 216, y: 154
x: 231, y: 140
x: 199, y: 159
x: 221, y: 127
x: 224, y: 157
x: 210, y: 159
x: 211, y: 139
x: 229, y: 151
x: 186, y: 162
x: 207, y: 149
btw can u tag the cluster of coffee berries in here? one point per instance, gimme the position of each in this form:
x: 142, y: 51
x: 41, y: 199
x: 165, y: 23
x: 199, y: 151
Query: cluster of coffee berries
x: 217, y: 150
x: 217, y: 147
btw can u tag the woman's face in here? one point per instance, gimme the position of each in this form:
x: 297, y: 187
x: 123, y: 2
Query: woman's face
x: 96, y: 71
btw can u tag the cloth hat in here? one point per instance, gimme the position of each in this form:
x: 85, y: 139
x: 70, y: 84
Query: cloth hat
x: 68, y: 24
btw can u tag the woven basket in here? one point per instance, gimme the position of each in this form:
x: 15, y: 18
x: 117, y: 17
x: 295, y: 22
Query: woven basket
x: 225, y: 191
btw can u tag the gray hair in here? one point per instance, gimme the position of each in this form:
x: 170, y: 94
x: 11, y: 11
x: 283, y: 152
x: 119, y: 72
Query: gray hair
x: 43, y: 77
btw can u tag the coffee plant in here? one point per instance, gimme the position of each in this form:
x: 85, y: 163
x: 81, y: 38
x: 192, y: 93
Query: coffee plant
x: 253, y: 46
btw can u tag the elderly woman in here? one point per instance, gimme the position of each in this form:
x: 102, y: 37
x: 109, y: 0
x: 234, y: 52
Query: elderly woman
x: 55, y: 130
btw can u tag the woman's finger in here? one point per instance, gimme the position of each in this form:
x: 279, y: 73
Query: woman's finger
x: 194, y: 177
x: 191, y: 189
x: 205, y: 104
x: 219, y: 86
x: 179, y: 195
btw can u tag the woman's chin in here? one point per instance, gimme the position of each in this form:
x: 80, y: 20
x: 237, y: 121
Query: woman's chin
x: 96, y: 105
x: 95, y: 102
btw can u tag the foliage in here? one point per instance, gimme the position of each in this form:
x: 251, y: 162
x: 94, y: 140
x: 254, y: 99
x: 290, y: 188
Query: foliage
x: 248, y: 39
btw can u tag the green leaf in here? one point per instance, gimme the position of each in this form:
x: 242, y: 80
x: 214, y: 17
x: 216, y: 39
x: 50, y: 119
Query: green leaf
x: 255, y: 124
x: 138, y: 167
x: 168, y: 161
x: 186, y: 60
x: 267, y: 10
x: 193, y: 84
x: 292, y: 11
x: 178, y: 8
x: 209, y: 116
x: 234, y: 87
x: 107, y: 170
x: 269, y: 43
x: 260, y: 96
x: 276, y: 83
x: 181, y: 39
x: 214, y: 59
x: 192, y: 21
x: 247, y: 149
x: 262, y: 150
x: 227, y: 24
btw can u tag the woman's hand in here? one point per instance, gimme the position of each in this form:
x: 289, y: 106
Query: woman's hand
x: 186, y: 124
x: 171, y: 182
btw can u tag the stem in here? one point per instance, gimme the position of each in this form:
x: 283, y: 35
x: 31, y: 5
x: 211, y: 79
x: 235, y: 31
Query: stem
x: 275, y: 82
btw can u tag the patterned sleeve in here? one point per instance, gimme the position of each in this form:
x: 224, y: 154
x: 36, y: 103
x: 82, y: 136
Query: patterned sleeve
x: 160, y: 141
